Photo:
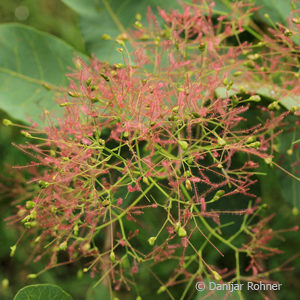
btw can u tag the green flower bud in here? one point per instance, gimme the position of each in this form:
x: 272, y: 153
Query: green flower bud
x: 161, y: 290
x: 106, y: 37
x: 112, y: 256
x: 217, y: 276
x: 145, y: 180
x: 183, y: 145
x: 152, y: 240
x: 31, y: 276
x: 175, y: 109
x: 268, y: 160
x: 73, y: 94
x: 65, y: 104
x: 221, y: 141
x: 7, y: 122
x: 251, y: 139
x: 188, y: 185
x: 76, y: 229
x: 43, y: 184
x: 237, y: 73
x: 220, y: 193
x: 181, y: 232
x: 5, y: 284
x: 63, y: 246
x: 30, y: 204
x: 26, y: 134
x: 138, y: 25
x: 138, y: 17
x: 255, y: 98
x: 295, y: 211
x: 13, y: 250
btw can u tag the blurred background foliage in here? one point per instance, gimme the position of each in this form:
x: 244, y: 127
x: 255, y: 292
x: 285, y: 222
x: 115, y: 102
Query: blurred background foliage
x: 56, y: 18
x: 52, y: 16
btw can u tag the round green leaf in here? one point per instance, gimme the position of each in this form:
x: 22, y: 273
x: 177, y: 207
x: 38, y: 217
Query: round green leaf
x: 32, y: 68
x: 42, y: 292
x: 112, y: 17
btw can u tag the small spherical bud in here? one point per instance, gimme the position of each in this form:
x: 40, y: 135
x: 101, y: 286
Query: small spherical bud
x: 187, y: 173
x: 289, y: 152
x: 76, y: 229
x: 73, y: 94
x: 267, y: 16
x: 31, y: 276
x: 138, y: 298
x: 221, y: 142
x: 268, y: 160
x: 161, y: 290
x: 105, y: 202
x: 175, y: 109
x: 255, y: 145
x: 138, y: 17
x: 295, y: 211
x: 181, y: 232
x: 183, y: 145
x: 138, y: 25
x: 21, y: 212
x: 255, y: 98
x: 30, y: 204
x: 220, y: 193
x: 5, y: 284
x: 188, y: 185
x: 43, y: 184
x: 86, y: 247
x: 296, y: 20
x: 152, y: 240
x: 217, y: 276
x: 251, y: 139
x: 112, y: 256
x: 13, y: 250
x: 237, y: 73
x: 274, y: 106
x: 253, y: 56
x: 7, y: 122
x: 105, y: 37
x: 26, y: 134
x: 31, y: 224
x: 145, y: 180
x: 79, y: 274
x: 63, y: 246
x: 120, y: 42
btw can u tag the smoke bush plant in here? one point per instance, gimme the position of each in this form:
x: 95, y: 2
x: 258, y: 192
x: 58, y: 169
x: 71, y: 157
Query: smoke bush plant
x: 150, y: 166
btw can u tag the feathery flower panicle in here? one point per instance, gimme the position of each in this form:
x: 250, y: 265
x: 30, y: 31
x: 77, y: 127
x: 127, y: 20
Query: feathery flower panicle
x: 149, y: 155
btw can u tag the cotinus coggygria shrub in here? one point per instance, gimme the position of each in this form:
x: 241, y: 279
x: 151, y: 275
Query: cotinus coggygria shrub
x: 154, y: 159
